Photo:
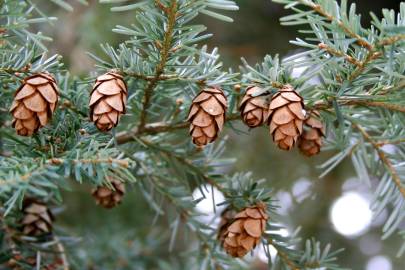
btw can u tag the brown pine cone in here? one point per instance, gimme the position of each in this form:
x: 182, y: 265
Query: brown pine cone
x: 253, y: 108
x: 310, y: 142
x: 286, y: 116
x: 108, y: 100
x: 227, y: 217
x: 34, y: 103
x: 109, y: 198
x: 245, y: 231
x: 37, y: 219
x: 207, y: 115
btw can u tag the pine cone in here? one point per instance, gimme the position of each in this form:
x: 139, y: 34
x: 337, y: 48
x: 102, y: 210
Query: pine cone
x: 286, y: 116
x: 34, y: 103
x: 109, y: 198
x: 227, y: 217
x: 108, y: 100
x: 245, y: 232
x: 207, y: 115
x: 310, y: 142
x: 253, y: 108
x: 37, y: 219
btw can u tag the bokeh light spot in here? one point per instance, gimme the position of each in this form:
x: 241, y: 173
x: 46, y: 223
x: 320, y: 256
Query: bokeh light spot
x: 206, y: 205
x: 351, y: 215
x: 379, y: 263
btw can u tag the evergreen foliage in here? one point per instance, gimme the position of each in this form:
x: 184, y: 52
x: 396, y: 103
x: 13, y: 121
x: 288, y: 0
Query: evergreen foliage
x: 353, y: 75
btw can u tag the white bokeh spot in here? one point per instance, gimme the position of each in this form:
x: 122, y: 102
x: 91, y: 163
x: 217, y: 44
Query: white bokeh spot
x: 351, y: 215
x: 379, y: 263
x: 206, y: 206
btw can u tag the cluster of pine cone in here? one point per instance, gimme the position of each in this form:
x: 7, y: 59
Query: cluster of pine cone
x: 37, y: 219
x: 284, y: 113
x: 36, y: 99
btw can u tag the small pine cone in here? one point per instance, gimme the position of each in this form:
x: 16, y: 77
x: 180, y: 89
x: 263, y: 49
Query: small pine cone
x: 37, y: 219
x: 109, y: 198
x: 227, y: 217
x: 108, y: 100
x: 207, y: 115
x: 253, y: 108
x: 286, y: 116
x: 246, y: 230
x: 310, y: 142
x: 34, y: 103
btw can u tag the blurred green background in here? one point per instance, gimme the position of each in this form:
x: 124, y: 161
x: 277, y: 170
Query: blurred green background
x: 305, y: 200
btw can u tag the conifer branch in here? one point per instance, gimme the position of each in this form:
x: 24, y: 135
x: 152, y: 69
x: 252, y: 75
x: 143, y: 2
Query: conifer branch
x: 162, y: 77
x: 371, y: 55
x: 158, y: 127
x: 119, y: 162
x: 386, y: 142
x: 284, y: 256
x: 163, y: 53
x: 59, y: 161
x: 391, y: 40
x: 171, y: 12
x: 366, y: 103
x: 16, y: 72
x: 337, y: 53
x: 188, y: 164
x: 318, y: 9
x: 387, y: 163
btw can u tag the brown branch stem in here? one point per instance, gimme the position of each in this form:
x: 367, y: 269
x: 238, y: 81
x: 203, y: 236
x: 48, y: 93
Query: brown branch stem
x: 62, y: 253
x: 120, y: 162
x: 359, y: 40
x: 14, y: 71
x: 158, y: 127
x: 171, y: 12
x: 284, y: 256
x: 366, y: 103
x: 337, y: 53
x: 382, y: 143
x: 383, y: 157
x: 391, y: 40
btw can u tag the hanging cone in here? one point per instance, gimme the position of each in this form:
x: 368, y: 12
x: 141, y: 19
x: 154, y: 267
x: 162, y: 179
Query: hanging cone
x: 109, y: 198
x: 227, y: 217
x: 245, y: 231
x: 254, y: 109
x: 310, y: 142
x: 207, y: 115
x: 34, y: 103
x: 286, y: 116
x: 108, y: 100
x: 37, y: 219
